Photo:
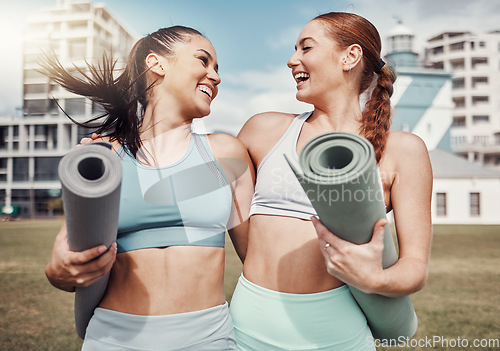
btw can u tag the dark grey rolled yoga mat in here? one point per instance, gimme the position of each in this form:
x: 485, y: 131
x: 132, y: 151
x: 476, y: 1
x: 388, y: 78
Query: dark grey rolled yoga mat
x: 339, y: 174
x: 91, y: 178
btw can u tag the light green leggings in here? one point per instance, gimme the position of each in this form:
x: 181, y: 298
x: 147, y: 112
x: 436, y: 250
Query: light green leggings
x: 269, y: 320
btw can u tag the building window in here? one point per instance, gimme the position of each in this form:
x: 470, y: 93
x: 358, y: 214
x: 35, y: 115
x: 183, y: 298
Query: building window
x: 3, y: 171
x: 476, y: 100
x: 75, y: 107
x: 4, y: 137
x: 479, y: 80
x: 32, y: 107
x: 46, y: 168
x: 36, y: 88
x: 77, y: 49
x: 457, y: 46
x: 480, y: 119
x: 459, y: 140
x: 20, y: 172
x: 437, y: 50
x: 20, y: 195
x: 458, y: 83
x: 458, y: 64
x: 480, y: 139
x: 441, y: 204
x: 458, y: 121
x: 479, y: 61
x: 459, y: 102
x: 475, y: 207
x: 437, y: 65
x: 482, y: 44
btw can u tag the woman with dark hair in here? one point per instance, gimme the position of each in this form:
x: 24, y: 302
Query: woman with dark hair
x: 165, y: 290
x: 292, y: 293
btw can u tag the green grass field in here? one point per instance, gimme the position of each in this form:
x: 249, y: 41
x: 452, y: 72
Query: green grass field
x: 461, y: 301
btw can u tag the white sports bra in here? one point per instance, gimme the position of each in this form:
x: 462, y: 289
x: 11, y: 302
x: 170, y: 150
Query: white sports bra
x: 277, y: 190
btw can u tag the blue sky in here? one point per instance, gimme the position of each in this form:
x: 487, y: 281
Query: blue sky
x: 253, y: 40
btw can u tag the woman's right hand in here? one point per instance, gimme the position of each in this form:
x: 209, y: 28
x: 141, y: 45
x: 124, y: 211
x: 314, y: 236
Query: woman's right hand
x: 68, y: 269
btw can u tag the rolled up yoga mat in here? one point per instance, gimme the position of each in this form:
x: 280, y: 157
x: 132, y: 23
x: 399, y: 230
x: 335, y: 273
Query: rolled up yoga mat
x: 339, y: 174
x: 91, y: 178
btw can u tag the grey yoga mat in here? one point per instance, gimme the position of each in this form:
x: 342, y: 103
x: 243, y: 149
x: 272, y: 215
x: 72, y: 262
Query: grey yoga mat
x: 91, y: 178
x: 339, y: 174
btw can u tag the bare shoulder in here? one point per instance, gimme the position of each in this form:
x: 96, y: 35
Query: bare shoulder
x: 262, y: 131
x: 266, y: 124
x: 406, y: 150
x: 226, y: 145
x: 231, y: 155
x: 405, y: 144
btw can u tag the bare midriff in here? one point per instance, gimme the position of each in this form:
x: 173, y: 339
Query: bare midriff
x: 162, y: 281
x: 284, y: 255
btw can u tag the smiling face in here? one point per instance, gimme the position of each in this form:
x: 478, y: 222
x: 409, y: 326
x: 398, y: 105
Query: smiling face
x: 316, y: 64
x: 191, y: 79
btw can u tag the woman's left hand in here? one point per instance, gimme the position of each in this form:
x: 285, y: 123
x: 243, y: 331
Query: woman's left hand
x: 356, y: 265
x: 90, y: 140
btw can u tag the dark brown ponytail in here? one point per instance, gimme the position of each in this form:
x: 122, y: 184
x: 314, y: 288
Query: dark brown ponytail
x: 124, y: 98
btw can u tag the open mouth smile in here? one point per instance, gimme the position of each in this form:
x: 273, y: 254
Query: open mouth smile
x: 207, y: 90
x: 301, y: 77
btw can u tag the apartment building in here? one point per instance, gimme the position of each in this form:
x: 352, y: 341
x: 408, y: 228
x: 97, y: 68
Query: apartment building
x: 474, y: 61
x: 464, y: 192
x: 32, y: 145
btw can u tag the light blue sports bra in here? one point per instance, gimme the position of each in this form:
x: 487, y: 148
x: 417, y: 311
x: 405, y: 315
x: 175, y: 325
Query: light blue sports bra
x: 187, y: 203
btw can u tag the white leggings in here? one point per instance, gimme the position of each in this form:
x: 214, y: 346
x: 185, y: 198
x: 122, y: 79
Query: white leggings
x: 206, y: 330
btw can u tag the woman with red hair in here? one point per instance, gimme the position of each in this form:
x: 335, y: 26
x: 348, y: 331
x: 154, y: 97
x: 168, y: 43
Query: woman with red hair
x: 292, y: 294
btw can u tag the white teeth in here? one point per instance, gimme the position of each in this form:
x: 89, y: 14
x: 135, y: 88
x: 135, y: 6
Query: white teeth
x: 205, y: 89
x: 301, y: 76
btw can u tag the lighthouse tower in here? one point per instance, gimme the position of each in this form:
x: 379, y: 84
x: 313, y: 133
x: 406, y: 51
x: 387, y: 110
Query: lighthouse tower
x: 400, y: 47
x: 422, y: 96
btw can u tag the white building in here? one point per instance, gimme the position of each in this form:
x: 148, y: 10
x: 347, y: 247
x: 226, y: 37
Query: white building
x: 474, y: 60
x: 463, y: 192
x: 31, y: 146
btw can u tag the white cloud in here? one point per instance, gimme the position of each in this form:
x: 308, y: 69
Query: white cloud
x: 255, y: 80
x: 285, y: 39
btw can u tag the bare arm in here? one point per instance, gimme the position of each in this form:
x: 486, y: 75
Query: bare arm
x: 67, y: 269
x: 411, y: 195
x: 234, y: 160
